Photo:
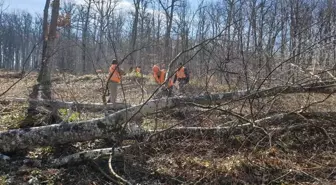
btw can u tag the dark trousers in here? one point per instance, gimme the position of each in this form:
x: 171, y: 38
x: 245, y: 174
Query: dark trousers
x: 182, y: 83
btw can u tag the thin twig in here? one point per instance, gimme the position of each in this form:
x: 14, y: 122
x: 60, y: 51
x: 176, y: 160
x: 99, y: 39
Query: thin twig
x: 103, y: 172
x: 115, y: 174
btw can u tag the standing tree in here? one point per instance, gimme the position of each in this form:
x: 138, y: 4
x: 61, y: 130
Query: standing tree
x: 42, y: 90
x: 44, y: 82
x: 134, y: 30
x: 169, y: 8
x: 86, y: 16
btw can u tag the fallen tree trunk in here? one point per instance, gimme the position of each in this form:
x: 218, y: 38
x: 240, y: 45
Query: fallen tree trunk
x: 275, y: 121
x: 13, y: 75
x: 56, y: 104
x: 111, y: 125
x: 96, y: 153
x: 88, y: 155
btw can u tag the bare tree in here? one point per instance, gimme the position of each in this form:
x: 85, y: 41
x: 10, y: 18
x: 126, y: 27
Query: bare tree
x: 134, y: 33
x: 42, y: 90
x: 86, y: 16
x: 169, y: 9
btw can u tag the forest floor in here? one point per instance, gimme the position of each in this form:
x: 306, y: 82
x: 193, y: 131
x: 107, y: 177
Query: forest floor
x: 295, y: 155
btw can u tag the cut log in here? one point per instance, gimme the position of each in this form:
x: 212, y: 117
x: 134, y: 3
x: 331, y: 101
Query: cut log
x: 56, y: 104
x: 13, y: 75
x: 203, y: 132
x: 87, y: 155
x: 111, y: 125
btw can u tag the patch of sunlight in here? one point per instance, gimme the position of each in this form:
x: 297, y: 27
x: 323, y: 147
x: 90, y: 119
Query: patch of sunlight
x: 12, y: 119
x: 88, y: 77
x: 149, y: 124
x: 216, y: 87
x: 69, y: 115
x: 40, y: 151
x: 227, y: 164
x: 3, y: 180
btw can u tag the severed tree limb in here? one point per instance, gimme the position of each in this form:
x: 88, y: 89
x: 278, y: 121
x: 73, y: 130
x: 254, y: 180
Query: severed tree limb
x: 201, y: 131
x: 111, y: 125
x: 12, y: 75
x: 56, y: 104
x: 86, y: 155
x: 97, y: 153
x: 221, y: 131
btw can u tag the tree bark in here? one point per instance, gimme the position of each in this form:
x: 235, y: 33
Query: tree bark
x: 45, y: 32
x: 44, y: 77
x: 231, y: 129
x: 76, y: 106
x: 134, y: 31
x: 85, y: 36
x: 87, y: 155
x: 111, y: 125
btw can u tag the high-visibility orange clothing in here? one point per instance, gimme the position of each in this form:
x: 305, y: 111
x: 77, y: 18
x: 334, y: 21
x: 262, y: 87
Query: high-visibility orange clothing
x: 156, y: 73
x: 115, y: 76
x: 162, y: 76
x: 170, y: 83
x: 180, y: 73
x: 156, y: 69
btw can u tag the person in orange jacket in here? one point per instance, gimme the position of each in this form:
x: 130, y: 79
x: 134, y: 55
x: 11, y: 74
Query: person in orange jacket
x: 160, y: 76
x: 182, y: 76
x: 157, y: 74
x: 114, y: 79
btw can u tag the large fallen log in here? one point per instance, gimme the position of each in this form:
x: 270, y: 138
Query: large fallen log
x: 13, y: 75
x: 111, y: 125
x: 278, y: 124
x: 96, y: 153
x: 56, y: 104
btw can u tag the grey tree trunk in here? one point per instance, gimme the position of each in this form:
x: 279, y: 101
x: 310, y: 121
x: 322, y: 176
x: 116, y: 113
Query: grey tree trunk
x: 169, y: 12
x: 43, y: 87
x: 134, y: 31
x: 55, y: 104
x: 44, y: 77
x: 85, y: 37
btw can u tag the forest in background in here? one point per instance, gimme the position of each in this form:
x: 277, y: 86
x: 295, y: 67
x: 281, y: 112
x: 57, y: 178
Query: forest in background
x: 255, y: 36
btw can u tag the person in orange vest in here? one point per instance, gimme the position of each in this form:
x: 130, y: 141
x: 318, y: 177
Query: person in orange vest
x: 160, y: 76
x: 182, y: 76
x: 114, y: 79
x: 157, y: 74
x: 163, y: 78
